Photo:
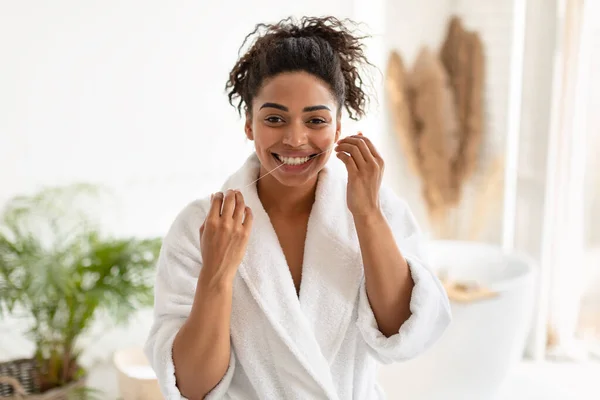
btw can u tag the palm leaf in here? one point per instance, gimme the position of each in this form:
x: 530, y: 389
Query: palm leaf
x: 57, y: 268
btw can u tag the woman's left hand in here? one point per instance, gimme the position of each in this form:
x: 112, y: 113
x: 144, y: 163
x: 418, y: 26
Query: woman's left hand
x: 365, y: 172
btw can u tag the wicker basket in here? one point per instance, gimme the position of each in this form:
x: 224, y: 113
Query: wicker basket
x: 19, y: 381
x: 24, y: 371
x: 61, y: 393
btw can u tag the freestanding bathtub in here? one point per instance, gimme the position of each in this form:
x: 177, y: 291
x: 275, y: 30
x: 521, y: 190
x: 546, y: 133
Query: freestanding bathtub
x: 485, y: 339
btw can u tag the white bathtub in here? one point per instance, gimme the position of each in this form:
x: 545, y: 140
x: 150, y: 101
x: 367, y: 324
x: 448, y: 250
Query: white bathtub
x: 485, y: 339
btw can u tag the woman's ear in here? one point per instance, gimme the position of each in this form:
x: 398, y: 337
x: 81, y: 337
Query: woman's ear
x: 248, y: 126
x: 338, y: 129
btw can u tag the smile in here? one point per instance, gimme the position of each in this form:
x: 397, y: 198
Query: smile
x: 293, y: 160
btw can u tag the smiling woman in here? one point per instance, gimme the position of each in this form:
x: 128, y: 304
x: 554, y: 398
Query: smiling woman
x: 298, y: 283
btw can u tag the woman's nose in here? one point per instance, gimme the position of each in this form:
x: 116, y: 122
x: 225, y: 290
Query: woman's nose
x: 295, y: 136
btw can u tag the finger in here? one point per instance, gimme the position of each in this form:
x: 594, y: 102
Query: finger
x: 349, y: 161
x: 215, y: 207
x: 248, y: 217
x: 372, y: 148
x: 354, y: 152
x: 364, y: 148
x: 201, y: 230
x: 228, y: 204
x: 240, y: 207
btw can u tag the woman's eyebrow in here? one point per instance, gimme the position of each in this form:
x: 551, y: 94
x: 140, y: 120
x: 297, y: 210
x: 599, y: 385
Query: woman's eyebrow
x: 274, y: 105
x: 305, y: 109
x: 316, y: 108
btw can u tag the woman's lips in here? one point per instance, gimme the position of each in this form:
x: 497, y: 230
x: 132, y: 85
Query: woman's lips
x: 292, y: 154
x: 294, y: 164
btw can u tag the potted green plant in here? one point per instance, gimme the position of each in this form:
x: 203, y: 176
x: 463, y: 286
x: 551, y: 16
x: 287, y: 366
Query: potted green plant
x: 60, y: 272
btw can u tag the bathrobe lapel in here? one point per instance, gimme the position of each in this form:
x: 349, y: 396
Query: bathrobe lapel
x: 313, y: 325
x: 332, y: 270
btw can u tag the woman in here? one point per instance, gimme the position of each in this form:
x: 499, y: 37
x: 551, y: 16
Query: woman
x: 295, y: 285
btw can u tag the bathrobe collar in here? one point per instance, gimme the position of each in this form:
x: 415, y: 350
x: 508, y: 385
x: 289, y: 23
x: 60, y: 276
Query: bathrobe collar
x: 313, y: 324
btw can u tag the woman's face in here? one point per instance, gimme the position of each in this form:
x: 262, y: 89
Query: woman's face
x: 294, y: 117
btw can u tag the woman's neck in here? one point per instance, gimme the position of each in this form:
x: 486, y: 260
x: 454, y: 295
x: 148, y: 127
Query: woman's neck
x: 280, y: 199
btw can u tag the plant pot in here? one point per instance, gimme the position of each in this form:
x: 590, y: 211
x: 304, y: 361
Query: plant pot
x: 19, y: 380
x: 486, y: 337
x: 136, y: 377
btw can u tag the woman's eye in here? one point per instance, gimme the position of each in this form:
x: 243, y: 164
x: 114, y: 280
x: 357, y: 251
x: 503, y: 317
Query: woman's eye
x: 317, y: 121
x: 274, y: 120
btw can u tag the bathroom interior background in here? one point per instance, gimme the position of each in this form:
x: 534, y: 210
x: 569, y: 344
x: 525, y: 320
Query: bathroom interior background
x: 130, y: 94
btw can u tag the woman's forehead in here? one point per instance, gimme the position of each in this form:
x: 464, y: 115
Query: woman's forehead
x: 295, y: 90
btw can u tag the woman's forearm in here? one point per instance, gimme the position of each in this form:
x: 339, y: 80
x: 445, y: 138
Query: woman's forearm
x: 201, y: 349
x: 387, y: 275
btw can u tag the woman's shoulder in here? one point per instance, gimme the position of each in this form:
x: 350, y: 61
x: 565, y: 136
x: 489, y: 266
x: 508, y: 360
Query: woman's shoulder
x: 187, y: 222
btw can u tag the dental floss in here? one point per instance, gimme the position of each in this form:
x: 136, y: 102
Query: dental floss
x: 281, y: 165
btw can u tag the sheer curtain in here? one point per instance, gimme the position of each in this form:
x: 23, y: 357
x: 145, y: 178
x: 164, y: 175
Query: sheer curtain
x: 589, y: 319
x: 563, y: 269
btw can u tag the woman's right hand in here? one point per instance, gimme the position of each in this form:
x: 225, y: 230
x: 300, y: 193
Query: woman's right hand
x: 224, y: 236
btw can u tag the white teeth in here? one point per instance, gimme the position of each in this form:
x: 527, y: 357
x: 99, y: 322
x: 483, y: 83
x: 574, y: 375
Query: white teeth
x: 293, y: 160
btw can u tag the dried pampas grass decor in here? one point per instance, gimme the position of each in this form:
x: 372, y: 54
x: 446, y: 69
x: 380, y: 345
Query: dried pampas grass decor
x: 462, y: 55
x: 436, y: 125
x: 400, y: 104
x: 437, y: 110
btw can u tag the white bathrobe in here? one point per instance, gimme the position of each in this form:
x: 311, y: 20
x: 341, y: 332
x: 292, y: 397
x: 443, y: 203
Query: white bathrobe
x: 322, y: 344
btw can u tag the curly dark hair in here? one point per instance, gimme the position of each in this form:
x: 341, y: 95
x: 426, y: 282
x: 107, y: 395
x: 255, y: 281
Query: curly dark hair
x: 322, y: 46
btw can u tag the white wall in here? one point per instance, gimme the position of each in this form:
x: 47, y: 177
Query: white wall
x: 412, y: 24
